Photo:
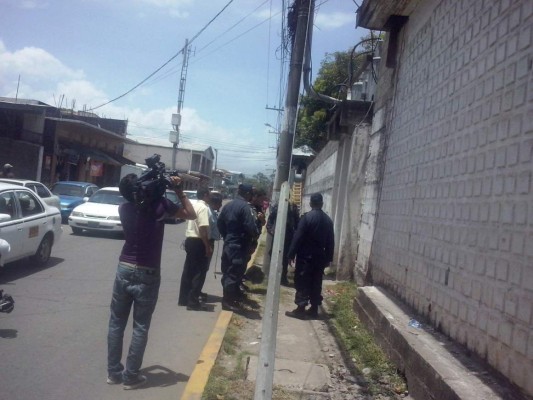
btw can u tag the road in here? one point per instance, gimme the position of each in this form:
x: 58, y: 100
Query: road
x: 54, y: 344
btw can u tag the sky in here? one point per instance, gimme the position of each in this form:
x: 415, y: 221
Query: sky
x: 82, y: 54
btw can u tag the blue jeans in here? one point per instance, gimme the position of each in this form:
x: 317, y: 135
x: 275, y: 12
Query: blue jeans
x: 139, y: 288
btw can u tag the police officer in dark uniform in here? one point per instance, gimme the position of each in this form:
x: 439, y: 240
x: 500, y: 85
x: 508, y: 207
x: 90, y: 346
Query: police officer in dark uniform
x: 312, y: 245
x: 238, y: 228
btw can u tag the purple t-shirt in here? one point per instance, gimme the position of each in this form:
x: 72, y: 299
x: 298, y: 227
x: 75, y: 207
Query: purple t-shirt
x: 143, y: 231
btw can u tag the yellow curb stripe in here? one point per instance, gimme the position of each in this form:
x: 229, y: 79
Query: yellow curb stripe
x: 198, y: 379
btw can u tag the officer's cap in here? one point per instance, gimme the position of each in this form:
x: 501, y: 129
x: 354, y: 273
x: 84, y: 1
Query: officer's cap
x: 244, y: 188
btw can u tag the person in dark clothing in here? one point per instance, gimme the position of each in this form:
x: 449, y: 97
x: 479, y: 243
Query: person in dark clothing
x: 312, y: 246
x: 290, y: 228
x: 138, y: 275
x: 199, y: 250
x: 238, y: 228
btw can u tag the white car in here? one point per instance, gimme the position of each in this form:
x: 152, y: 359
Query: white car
x: 29, y: 225
x: 191, y: 194
x: 42, y: 191
x: 99, y: 213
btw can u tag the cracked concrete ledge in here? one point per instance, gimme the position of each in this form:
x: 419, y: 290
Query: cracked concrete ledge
x: 435, y: 367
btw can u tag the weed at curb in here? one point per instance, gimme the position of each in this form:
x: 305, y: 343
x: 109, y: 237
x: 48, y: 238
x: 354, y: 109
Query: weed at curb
x: 380, y: 375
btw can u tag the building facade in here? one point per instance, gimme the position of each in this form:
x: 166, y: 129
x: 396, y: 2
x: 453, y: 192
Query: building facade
x: 49, y: 144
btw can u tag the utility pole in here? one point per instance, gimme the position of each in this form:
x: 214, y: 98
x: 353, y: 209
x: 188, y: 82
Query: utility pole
x: 265, y: 368
x: 305, y: 8
x: 174, y: 136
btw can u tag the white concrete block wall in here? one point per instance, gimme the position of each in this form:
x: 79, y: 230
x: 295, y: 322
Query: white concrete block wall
x: 454, y: 232
x: 320, y: 177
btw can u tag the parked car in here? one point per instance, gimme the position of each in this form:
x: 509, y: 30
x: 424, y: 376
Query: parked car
x: 72, y: 194
x: 29, y: 225
x: 191, y: 194
x: 42, y: 191
x: 98, y: 213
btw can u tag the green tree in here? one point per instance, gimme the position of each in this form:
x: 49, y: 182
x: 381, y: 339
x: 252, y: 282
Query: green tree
x: 259, y: 181
x: 332, y: 80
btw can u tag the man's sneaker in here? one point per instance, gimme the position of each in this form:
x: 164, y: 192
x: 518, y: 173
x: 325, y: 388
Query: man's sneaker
x: 139, y: 381
x: 114, y: 380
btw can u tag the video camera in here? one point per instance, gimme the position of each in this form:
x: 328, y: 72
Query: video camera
x: 153, y: 182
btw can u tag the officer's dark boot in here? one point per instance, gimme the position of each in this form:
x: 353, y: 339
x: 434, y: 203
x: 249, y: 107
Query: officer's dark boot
x: 228, y: 302
x: 298, y: 312
x: 312, y: 312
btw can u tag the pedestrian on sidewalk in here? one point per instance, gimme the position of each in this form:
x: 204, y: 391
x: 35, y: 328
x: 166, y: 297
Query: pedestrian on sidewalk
x: 138, y: 273
x: 199, y: 250
x: 237, y: 226
x: 7, y: 171
x: 312, y: 246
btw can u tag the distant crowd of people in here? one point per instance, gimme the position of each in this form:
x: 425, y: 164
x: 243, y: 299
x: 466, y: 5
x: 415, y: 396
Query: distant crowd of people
x: 308, y: 245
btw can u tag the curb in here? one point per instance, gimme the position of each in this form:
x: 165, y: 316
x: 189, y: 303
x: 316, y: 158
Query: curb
x: 198, y: 379
x: 200, y: 375
x: 436, y: 368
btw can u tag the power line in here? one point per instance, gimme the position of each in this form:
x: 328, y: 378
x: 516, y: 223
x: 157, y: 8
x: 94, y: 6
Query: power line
x: 236, y: 37
x: 167, y: 62
x: 232, y: 26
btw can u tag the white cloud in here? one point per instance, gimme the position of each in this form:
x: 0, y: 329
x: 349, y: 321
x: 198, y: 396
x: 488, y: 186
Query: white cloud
x: 46, y: 77
x: 334, y: 20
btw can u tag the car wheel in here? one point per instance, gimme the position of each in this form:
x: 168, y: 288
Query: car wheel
x: 76, y: 231
x: 42, y: 255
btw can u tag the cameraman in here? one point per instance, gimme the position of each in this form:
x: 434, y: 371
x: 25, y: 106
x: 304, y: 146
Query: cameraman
x: 138, y: 273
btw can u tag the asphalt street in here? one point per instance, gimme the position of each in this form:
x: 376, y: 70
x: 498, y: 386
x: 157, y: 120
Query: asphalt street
x: 54, y: 344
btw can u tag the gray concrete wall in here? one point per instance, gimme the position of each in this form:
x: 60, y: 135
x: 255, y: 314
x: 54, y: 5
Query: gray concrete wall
x: 454, y: 230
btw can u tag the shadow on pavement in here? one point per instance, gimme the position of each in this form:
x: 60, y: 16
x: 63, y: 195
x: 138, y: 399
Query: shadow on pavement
x: 159, y: 376
x: 22, y: 268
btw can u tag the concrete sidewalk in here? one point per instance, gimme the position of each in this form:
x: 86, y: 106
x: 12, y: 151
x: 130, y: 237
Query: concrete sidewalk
x: 310, y: 364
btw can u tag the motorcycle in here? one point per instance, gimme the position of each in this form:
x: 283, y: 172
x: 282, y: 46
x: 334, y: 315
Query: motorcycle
x: 7, y: 304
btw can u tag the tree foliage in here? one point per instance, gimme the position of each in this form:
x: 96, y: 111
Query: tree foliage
x: 331, y: 80
x: 259, y: 181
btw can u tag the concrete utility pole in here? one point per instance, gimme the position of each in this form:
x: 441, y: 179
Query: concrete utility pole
x: 305, y: 8
x: 176, y: 118
x: 265, y: 369
x: 267, y: 354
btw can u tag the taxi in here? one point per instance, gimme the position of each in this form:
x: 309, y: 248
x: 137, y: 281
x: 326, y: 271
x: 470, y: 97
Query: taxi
x: 28, y: 225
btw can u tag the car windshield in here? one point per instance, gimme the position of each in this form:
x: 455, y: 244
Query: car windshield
x: 107, y: 197
x: 61, y: 189
x: 191, y: 194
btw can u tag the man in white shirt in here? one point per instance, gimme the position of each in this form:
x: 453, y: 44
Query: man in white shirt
x: 199, y: 250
